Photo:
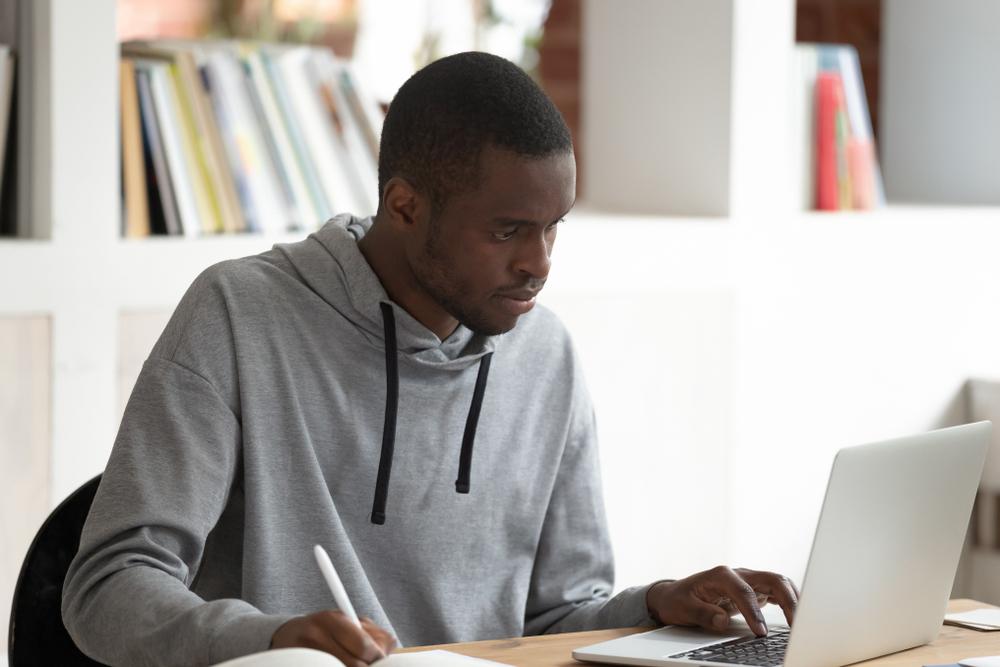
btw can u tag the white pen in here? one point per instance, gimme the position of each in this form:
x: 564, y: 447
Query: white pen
x: 336, y: 586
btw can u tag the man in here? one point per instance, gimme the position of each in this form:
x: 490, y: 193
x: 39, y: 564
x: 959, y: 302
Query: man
x: 332, y: 391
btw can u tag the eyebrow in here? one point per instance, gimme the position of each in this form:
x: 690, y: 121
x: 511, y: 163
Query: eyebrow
x: 520, y: 222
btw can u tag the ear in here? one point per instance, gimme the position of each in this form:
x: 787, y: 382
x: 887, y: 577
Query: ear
x: 405, y: 206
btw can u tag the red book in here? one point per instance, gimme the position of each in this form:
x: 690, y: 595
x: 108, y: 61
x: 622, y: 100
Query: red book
x: 827, y: 85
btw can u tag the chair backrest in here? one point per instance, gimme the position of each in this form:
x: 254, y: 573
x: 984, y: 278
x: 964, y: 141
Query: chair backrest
x: 37, y: 634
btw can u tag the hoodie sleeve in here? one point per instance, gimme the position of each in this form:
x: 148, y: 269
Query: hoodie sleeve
x: 573, y: 574
x: 126, y: 598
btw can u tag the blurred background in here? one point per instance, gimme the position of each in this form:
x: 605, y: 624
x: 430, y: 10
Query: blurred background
x: 733, y: 337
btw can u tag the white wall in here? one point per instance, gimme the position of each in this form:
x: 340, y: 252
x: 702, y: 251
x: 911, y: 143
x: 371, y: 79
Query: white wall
x: 25, y: 404
x: 940, y: 100
x: 865, y: 331
x: 824, y: 332
x: 656, y: 97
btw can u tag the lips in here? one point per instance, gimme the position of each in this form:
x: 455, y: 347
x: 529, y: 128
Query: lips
x: 517, y: 303
x: 520, y: 295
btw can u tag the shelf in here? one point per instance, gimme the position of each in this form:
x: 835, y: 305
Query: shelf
x: 597, y: 252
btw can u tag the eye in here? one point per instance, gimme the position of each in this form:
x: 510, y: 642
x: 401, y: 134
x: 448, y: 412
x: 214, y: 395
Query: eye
x: 504, y: 236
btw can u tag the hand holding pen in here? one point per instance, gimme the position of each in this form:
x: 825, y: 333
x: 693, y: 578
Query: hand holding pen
x: 355, y: 642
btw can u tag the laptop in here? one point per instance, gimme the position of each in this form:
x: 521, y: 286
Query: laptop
x: 880, y: 571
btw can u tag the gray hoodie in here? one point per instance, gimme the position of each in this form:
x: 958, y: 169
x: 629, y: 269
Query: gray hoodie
x: 272, y: 415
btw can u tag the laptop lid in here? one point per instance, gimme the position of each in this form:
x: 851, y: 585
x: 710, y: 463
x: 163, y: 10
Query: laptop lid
x: 887, y: 546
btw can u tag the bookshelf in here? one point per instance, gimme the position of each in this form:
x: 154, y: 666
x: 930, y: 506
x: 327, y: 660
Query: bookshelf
x: 748, y: 328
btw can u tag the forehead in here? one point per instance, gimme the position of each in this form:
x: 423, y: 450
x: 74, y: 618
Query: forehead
x: 523, y: 187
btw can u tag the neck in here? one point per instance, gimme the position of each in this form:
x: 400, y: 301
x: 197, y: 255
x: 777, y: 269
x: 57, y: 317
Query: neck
x: 385, y: 253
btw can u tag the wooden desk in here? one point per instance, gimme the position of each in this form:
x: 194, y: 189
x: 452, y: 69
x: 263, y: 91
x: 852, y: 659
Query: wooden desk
x: 952, y: 645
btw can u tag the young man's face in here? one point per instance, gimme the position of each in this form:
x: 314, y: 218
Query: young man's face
x: 487, y: 253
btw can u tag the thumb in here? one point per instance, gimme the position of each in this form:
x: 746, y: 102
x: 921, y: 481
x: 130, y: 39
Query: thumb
x: 708, y: 616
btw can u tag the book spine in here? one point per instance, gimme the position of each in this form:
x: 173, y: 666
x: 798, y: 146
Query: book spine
x: 230, y: 213
x: 136, y: 216
x: 158, y: 176
x: 180, y: 178
x: 317, y: 69
x: 357, y: 154
x: 826, y: 150
x: 195, y: 145
x: 860, y: 163
x: 292, y: 187
x: 6, y: 107
x: 196, y: 171
x: 211, y: 79
x: 306, y: 165
x: 264, y: 188
x: 317, y: 128
x: 843, y: 136
x: 866, y: 188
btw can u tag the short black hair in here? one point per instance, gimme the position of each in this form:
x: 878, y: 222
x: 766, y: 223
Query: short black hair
x: 444, y: 115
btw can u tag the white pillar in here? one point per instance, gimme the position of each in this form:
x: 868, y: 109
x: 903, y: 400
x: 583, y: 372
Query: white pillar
x: 684, y: 105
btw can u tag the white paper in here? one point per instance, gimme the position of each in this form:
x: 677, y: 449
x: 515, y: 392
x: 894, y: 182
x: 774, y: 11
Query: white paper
x: 436, y: 658
x: 987, y: 661
x: 302, y: 657
x: 990, y: 617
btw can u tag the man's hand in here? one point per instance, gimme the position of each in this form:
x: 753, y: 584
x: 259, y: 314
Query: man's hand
x: 709, y: 598
x: 333, y: 632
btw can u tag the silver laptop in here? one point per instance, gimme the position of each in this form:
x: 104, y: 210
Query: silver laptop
x: 881, y: 568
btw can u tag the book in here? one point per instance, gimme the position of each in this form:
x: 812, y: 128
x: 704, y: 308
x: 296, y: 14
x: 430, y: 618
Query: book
x: 361, y: 164
x: 364, y: 107
x: 205, y: 198
x: 230, y: 149
x: 842, y: 136
x: 279, y: 143
x: 255, y: 137
x: 7, y: 70
x: 210, y: 141
x: 854, y: 161
x: 163, y: 216
x: 986, y: 619
x: 320, y: 205
x: 248, y: 152
x: 324, y: 145
x: 826, y: 141
x: 136, y: 214
x: 866, y: 177
x: 182, y: 177
x: 304, y: 657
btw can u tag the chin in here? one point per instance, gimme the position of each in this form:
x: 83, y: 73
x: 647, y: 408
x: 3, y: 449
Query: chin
x: 490, y: 330
x: 485, y: 326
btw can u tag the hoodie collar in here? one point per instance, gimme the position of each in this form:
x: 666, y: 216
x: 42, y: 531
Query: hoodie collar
x: 331, y: 264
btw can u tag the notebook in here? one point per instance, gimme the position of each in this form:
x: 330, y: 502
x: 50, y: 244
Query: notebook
x: 307, y: 657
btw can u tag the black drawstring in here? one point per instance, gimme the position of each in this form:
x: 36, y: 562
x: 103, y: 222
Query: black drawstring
x: 389, y: 425
x: 465, y: 459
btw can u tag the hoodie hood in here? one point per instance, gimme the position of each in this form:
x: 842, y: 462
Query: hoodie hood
x: 330, y: 263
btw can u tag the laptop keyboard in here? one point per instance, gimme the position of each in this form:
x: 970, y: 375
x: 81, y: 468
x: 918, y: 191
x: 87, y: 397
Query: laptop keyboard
x: 766, y: 651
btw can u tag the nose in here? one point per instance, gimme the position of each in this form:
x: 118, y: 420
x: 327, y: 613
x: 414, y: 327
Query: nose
x: 534, y: 257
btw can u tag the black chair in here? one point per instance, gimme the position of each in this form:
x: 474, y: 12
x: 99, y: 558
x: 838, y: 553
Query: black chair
x: 37, y: 634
